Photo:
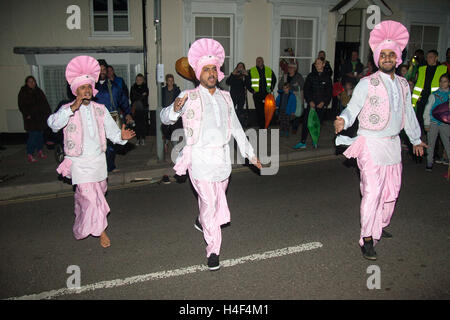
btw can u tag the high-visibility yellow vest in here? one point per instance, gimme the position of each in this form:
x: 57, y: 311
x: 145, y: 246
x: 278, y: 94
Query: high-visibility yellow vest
x: 440, y: 70
x: 255, y: 78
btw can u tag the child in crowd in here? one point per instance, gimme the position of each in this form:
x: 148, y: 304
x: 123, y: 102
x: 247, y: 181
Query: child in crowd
x: 345, y: 96
x: 434, y: 127
x: 286, y: 105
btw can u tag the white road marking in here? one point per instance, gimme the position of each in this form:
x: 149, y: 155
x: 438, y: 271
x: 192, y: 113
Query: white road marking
x: 169, y: 273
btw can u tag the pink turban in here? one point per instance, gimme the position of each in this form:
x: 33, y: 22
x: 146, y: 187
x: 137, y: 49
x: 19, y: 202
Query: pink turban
x: 204, y: 52
x: 82, y: 70
x: 388, y: 35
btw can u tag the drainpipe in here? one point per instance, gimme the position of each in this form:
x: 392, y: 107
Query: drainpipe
x: 158, y: 41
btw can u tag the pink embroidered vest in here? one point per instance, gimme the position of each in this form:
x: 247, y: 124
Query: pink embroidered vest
x: 192, y: 116
x: 73, y: 131
x: 375, y: 113
x: 192, y: 123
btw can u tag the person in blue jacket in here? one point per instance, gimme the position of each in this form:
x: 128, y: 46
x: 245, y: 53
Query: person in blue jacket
x: 286, y: 105
x: 115, y: 100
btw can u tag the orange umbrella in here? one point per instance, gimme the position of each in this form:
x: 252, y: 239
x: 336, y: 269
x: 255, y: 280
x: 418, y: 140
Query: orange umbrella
x: 269, y: 108
x: 184, y: 69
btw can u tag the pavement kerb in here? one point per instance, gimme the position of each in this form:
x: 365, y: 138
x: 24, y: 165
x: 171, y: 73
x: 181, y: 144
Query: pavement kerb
x: 123, y: 178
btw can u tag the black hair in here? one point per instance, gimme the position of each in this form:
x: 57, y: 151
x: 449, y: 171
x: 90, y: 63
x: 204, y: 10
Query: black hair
x: 433, y: 51
x: 102, y: 62
x: 445, y: 75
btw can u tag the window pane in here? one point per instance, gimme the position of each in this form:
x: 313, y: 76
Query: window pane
x: 416, y: 33
x: 354, y: 17
x: 352, y: 34
x: 121, y: 6
x: 120, y: 23
x: 226, y: 66
x: 222, y: 27
x: 203, y: 27
x: 225, y: 42
x: 287, y: 28
x: 304, y: 29
x: 285, y: 44
x: 304, y: 66
x: 55, y: 84
x: 304, y: 48
x: 340, y: 33
x: 100, y: 6
x: 432, y: 34
x: 100, y: 23
x: 429, y: 46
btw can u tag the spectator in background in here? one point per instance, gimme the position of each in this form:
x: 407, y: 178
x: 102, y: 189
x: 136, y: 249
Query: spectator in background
x: 115, y: 100
x: 327, y: 68
x: 370, y: 68
x: 238, y: 90
x: 345, y: 96
x: 139, y: 107
x: 427, y: 82
x: 169, y: 93
x: 434, y: 127
x: 402, y: 70
x: 318, y: 92
x: 35, y: 110
x: 296, y: 83
x: 286, y: 105
x: 352, y: 70
x: 261, y: 82
x: 118, y: 80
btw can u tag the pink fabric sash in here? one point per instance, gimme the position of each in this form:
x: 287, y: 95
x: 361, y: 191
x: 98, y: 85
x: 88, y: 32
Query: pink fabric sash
x: 64, y: 168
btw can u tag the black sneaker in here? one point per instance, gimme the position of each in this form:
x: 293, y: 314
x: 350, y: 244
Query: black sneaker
x: 385, y: 234
x: 213, y: 262
x: 429, y: 168
x: 198, y: 226
x: 368, y: 250
x: 165, y: 179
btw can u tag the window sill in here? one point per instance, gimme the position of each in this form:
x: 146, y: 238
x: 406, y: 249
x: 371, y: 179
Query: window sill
x: 111, y: 36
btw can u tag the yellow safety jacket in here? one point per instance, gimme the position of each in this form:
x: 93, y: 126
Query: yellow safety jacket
x: 254, y: 74
x: 440, y: 70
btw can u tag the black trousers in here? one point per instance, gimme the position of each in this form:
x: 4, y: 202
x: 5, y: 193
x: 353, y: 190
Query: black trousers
x: 258, y: 99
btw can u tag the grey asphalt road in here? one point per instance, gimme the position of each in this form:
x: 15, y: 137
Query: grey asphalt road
x: 151, y: 230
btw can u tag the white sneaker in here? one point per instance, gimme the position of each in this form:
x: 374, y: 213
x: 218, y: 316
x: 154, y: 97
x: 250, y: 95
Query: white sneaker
x: 142, y: 142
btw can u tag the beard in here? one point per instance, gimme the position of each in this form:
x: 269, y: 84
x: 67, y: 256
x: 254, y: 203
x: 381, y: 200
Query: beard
x: 387, y: 69
x: 206, y: 84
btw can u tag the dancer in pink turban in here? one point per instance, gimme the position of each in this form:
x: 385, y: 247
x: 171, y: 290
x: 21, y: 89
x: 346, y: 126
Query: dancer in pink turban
x: 209, y: 121
x: 382, y: 103
x: 86, y: 126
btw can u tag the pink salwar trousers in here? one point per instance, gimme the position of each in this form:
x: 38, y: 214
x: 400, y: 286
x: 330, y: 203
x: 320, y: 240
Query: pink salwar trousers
x: 379, y: 185
x: 91, y: 209
x: 214, y: 212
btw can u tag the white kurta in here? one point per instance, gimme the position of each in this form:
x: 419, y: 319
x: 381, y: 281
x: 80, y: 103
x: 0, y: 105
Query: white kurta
x: 90, y: 166
x: 390, y: 155
x: 211, y: 159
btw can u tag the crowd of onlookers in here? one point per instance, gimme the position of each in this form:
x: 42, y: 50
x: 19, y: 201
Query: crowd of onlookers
x: 296, y: 96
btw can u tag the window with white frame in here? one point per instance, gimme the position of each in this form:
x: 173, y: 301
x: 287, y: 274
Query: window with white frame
x: 110, y: 17
x: 54, y: 84
x: 423, y: 37
x: 297, y: 43
x: 218, y: 28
